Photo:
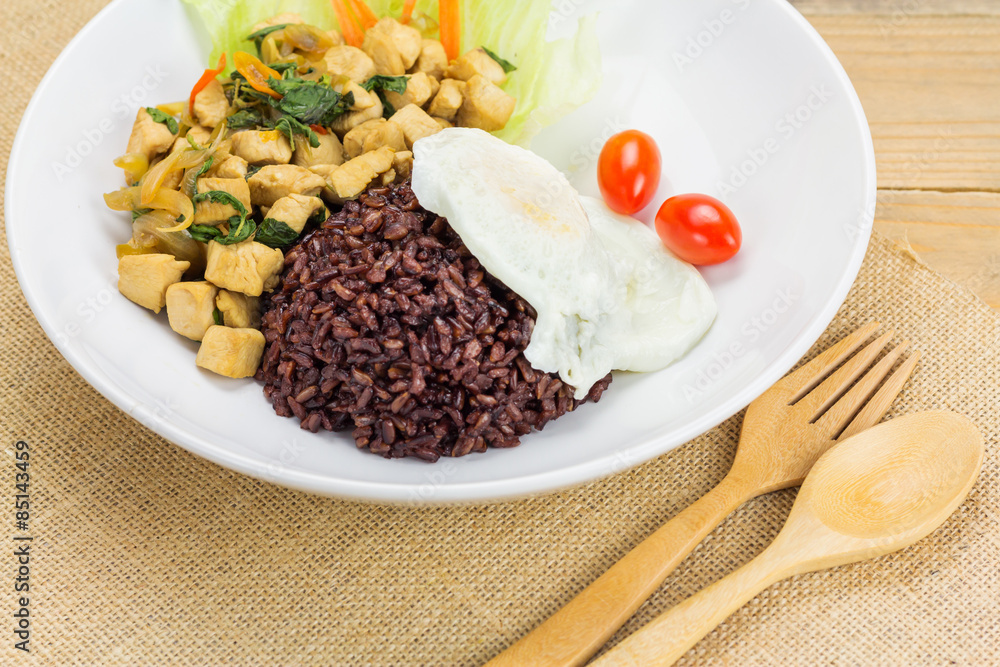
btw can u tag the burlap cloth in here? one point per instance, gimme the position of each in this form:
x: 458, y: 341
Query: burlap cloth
x: 145, y: 554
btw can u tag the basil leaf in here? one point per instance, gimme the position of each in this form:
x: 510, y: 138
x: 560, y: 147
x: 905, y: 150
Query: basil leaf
x: 194, y: 144
x: 387, y: 109
x: 163, y: 117
x: 204, y: 233
x: 508, y: 67
x: 245, y: 118
x: 290, y: 127
x: 140, y: 211
x: 283, y: 68
x: 217, y: 317
x: 395, y: 84
x: 309, y: 102
x: 253, y: 169
x: 240, y: 229
x: 258, y: 37
x: 275, y: 234
x: 221, y: 197
x: 205, y: 166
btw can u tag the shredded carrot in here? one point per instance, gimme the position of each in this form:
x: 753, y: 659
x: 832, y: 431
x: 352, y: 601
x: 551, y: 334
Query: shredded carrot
x: 206, y: 78
x: 408, y: 7
x: 353, y: 35
x: 364, y: 13
x: 451, y: 27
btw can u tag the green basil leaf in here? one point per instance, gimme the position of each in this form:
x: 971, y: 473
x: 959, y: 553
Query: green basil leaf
x: 163, y: 117
x: 205, y: 166
x: 253, y: 169
x: 140, y: 211
x: 508, y: 67
x: 240, y: 229
x: 245, y: 118
x: 221, y: 197
x: 395, y: 84
x: 258, y: 37
x: 275, y: 234
x: 309, y: 102
x: 217, y: 317
x: 204, y: 233
x: 194, y: 144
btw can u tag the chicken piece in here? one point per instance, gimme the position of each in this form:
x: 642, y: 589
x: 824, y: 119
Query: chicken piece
x: 354, y: 140
x: 190, y: 308
x: 329, y: 151
x: 336, y: 37
x: 419, y: 89
x: 416, y: 124
x: 201, y: 135
x: 387, y: 134
x: 445, y: 124
x: 262, y: 147
x: 232, y: 167
x: 247, y: 267
x: 353, y: 177
x: 485, y: 106
x: 295, y: 210
x: 279, y: 19
x: 406, y: 39
x: 388, y: 177
x: 381, y: 48
x: 477, y: 61
x: 210, y: 105
x: 448, y: 100
x: 234, y: 353
x: 432, y: 59
x: 238, y: 310
x: 363, y: 99
x: 402, y: 164
x: 349, y: 61
x: 346, y: 122
x: 276, y: 181
x: 148, y: 137
x: 325, y: 171
x: 213, y: 213
x: 144, y: 279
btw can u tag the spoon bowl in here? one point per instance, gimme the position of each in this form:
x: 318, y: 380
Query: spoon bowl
x: 870, y: 495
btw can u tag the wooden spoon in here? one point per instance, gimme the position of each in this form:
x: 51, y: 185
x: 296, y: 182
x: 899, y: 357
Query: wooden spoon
x: 872, y: 494
x: 784, y: 431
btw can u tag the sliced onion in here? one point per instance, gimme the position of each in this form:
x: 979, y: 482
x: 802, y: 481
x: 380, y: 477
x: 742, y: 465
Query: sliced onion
x: 134, y: 164
x: 126, y: 199
x: 307, y: 38
x: 153, y: 229
x: 177, y: 205
x: 153, y: 180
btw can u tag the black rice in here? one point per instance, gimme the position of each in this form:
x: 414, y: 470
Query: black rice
x: 384, y: 323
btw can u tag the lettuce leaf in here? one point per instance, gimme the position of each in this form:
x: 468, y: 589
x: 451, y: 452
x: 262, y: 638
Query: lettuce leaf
x: 551, y: 80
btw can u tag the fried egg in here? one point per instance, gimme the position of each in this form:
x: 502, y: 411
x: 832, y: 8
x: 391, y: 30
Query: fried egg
x: 608, y: 295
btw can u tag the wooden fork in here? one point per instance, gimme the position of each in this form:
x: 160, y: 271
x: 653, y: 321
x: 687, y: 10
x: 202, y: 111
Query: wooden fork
x: 784, y: 432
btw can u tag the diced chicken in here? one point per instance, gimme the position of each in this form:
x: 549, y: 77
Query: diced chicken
x: 353, y: 177
x: 406, y: 38
x: 388, y: 177
x: 402, y: 164
x: 325, y: 171
x: 276, y: 181
x: 262, y: 147
x: 144, y: 279
x: 354, y: 140
x: 295, y: 210
x: 448, y: 100
x: 190, y: 308
x: 234, y: 353
x: 349, y: 61
x: 387, y: 134
x: 477, y: 61
x: 329, y: 151
x: 346, y: 122
x: 335, y: 37
x: 445, y: 124
x: 201, y: 135
x: 212, y: 213
x: 416, y: 124
x: 485, y: 106
x: 238, y: 310
x: 248, y: 267
x: 381, y: 48
x: 279, y: 19
x: 363, y: 99
x: 210, y: 105
x: 232, y: 167
x: 148, y: 137
x: 419, y: 88
x: 432, y: 59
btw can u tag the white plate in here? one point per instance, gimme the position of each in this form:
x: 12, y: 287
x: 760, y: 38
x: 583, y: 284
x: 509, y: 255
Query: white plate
x: 738, y: 93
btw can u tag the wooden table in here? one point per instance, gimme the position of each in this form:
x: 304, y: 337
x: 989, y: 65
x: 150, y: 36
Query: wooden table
x: 928, y: 74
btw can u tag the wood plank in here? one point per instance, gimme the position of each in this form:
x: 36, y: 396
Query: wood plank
x: 931, y: 89
x: 956, y: 234
x: 897, y: 7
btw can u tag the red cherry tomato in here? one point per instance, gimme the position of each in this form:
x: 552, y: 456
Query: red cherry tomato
x: 699, y: 229
x: 628, y: 171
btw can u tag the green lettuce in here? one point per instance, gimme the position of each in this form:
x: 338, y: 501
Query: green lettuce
x: 551, y: 80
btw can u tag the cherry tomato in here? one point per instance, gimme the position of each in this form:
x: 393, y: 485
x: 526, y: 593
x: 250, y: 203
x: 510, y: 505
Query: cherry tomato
x: 699, y: 229
x: 628, y: 171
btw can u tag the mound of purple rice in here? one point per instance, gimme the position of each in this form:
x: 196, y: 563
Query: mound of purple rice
x: 385, y: 324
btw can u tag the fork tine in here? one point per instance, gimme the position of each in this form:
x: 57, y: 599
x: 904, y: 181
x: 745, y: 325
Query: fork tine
x: 876, y: 408
x: 826, y: 394
x: 838, y: 416
x: 810, y: 375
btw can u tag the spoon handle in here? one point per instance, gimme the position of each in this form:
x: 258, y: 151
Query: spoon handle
x: 666, y: 638
x: 579, y: 629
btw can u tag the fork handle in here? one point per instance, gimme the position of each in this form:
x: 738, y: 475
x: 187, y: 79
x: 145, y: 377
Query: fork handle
x: 575, y: 632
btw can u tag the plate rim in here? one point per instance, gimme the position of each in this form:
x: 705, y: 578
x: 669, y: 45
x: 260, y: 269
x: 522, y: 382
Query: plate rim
x: 476, y: 493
